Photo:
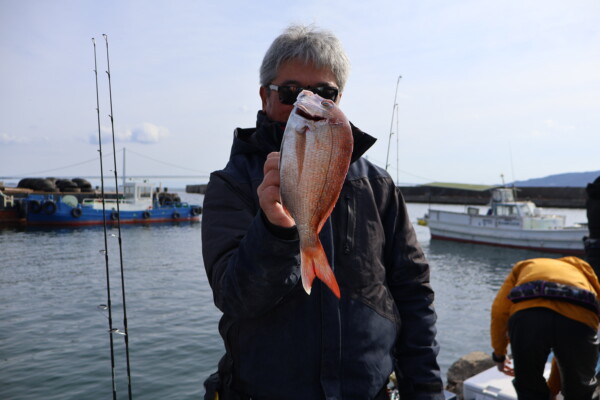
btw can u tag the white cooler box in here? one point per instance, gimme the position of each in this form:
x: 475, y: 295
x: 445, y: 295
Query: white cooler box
x: 492, y: 384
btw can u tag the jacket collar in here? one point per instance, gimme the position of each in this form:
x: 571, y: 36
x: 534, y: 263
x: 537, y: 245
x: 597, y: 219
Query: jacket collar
x: 268, y: 134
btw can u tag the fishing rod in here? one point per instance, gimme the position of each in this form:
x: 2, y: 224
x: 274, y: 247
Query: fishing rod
x: 105, y: 251
x: 394, y: 111
x: 112, y: 123
x: 397, y: 148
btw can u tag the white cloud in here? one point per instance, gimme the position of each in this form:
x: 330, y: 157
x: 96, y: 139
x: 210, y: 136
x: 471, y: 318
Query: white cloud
x: 537, y: 133
x: 555, y: 125
x: 146, y: 133
x: 8, y: 139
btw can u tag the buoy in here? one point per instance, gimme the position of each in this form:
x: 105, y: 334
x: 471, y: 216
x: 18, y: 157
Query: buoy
x: 34, y: 206
x: 49, y: 207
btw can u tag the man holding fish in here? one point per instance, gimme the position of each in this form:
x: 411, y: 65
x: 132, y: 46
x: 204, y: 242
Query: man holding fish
x: 309, y: 250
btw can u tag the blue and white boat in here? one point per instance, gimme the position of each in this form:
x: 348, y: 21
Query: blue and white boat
x: 137, y: 204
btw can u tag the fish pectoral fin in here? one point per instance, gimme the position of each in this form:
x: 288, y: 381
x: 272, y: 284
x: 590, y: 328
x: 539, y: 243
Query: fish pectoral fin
x: 314, y: 263
x: 301, y: 130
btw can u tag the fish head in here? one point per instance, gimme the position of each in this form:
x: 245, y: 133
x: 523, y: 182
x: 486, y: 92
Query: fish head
x: 312, y: 107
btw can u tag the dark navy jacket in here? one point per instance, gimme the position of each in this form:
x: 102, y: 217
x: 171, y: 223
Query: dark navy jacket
x: 284, y: 344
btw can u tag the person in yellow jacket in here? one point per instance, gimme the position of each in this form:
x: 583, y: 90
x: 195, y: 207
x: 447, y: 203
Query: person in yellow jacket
x: 548, y: 305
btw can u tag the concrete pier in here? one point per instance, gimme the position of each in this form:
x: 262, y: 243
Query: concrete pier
x: 200, y: 189
x: 555, y: 197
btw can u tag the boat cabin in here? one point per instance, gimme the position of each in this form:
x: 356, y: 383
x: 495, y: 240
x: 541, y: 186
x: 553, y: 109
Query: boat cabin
x: 137, y: 190
x: 503, y: 204
x: 135, y: 195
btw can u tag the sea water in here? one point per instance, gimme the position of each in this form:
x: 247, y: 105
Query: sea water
x: 54, y: 339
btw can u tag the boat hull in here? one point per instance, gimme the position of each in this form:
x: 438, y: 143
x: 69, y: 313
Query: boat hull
x: 51, y: 211
x: 504, y: 232
x: 11, y: 216
x: 96, y: 217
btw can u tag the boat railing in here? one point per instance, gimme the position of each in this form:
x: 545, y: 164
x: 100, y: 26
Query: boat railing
x: 6, y: 200
x: 546, y: 222
x: 92, y: 202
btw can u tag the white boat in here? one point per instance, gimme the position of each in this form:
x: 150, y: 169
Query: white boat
x: 508, y: 223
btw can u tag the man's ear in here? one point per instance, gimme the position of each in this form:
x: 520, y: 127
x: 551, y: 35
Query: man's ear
x: 264, y: 94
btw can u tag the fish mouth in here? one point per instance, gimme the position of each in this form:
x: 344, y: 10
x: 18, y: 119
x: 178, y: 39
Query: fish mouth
x: 304, y: 114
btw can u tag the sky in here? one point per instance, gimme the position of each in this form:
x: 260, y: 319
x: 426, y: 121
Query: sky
x: 488, y: 88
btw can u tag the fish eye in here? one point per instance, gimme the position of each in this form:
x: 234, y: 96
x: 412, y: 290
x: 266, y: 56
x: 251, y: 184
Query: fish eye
x: 327, y: 103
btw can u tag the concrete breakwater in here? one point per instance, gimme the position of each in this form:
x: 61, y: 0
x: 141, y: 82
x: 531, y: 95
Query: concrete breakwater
x: 556, y: 197
x: 198, y: 189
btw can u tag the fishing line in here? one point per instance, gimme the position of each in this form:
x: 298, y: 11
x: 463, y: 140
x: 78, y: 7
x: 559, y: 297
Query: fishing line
x: 125, y: 332
x: 108, y: 306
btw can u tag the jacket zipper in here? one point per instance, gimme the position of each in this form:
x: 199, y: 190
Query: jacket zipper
x: 349, y: 225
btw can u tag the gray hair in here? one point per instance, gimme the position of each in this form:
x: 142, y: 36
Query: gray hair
x: 308, y: 44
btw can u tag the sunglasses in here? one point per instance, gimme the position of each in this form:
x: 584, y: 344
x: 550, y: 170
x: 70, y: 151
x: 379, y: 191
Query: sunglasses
x: 289, y: 94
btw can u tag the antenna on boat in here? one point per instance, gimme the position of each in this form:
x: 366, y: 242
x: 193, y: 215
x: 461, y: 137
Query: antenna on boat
x: 124, y: 174
x: 105, y: 251
x: 394, y: 112
x: 112, y: 123
x: 512, y: 168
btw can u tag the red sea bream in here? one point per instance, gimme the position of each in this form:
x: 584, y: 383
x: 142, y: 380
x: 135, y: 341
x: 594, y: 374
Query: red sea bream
x: 315, y: 156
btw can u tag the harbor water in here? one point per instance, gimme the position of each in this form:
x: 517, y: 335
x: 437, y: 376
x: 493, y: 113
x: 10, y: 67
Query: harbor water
x: 54, y: 340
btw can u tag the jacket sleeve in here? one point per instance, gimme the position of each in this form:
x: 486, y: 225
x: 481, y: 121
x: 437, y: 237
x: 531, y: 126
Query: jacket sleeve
x: 249, y: 267
x: 500, y: 315
x: 416, y: 350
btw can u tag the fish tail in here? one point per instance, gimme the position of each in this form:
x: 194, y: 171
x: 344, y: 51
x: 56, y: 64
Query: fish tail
x: 314, y: 263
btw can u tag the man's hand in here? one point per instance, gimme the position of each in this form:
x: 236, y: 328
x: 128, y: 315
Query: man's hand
x: 506, y: 367
x: 504, y: 364
x: 268, y: 194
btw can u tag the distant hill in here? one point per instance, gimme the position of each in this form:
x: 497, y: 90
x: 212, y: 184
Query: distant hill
x: 571, y: 179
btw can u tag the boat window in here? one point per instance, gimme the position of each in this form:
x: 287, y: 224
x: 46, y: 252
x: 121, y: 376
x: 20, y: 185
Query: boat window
x: 129, y: 191
x: 472, y: 210
x: 145, y: 192
x: 503, y: 195
x: 506, y: 210
x: 528, y: 209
